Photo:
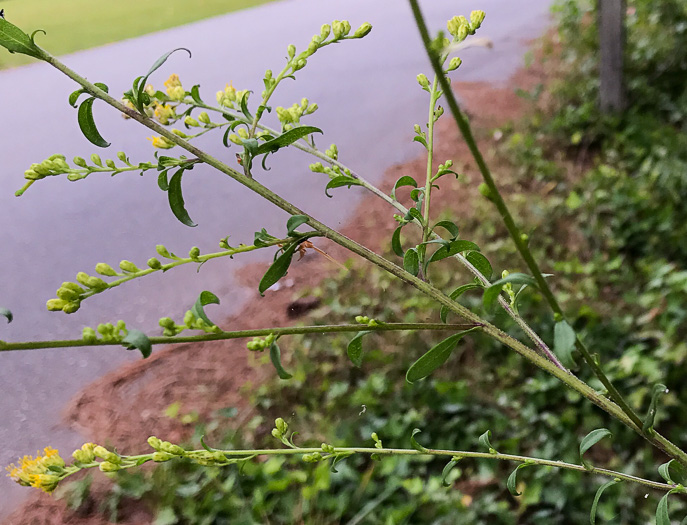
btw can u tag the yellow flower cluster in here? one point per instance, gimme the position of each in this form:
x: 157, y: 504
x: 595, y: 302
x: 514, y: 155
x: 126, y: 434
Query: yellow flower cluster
x: 164, y: 112
x: 43, y: 472
x: 174, y: 89
x: 231, y: 96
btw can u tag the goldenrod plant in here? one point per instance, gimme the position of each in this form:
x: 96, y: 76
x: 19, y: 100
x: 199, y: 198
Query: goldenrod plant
x: 178, y: 115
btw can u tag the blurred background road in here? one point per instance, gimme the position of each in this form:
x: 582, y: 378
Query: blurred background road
x: 368, y: 100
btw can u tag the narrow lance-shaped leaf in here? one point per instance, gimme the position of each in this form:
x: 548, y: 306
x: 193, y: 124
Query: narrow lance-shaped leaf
x: 455, y: 294
x: 589, y: 441
x: 16, y: 41
x: 176, y: 199
x: 87, y: 124
x: 355, y: 348
x: 657, y: 391
x: 662, y: 516
x: 339, y: 182
x: 285, y: 139
x: 275, y: 357
x: 278, y: 269
x: 205, y: 298
x: 491, y: 294
x: 137, y: 340
x: 447, y: 470
x: 7, y: 314
x: 481, y: 263
x: 564, y: 340
x: 140, y: 83
x: 414, y: 442
x: 484, y: 441
x: 434, y: 358
x: 512, y: 482
x: 294, y: 222
x: 597, y: 497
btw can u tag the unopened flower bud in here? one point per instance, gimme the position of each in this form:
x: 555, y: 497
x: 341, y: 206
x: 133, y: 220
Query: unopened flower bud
x: 55, y: 305
x: 363, y: 30
x: 128, y: 266
x: 71, y: 307
x: 317, y: 167
x: 80, y: 161
x: 454, y: 64
x: 107, y: 466
x: 67, y: 294
x: 89, y: 335
x: 167, y: 322
x: 423, y: 81
x: 110, y: 163
x: 103, y: 453
x: 204, y: 118
x: 122, y: 156
x: 291, y: 50
x: 73, y: 286
x: 85, y: 453
x: 95, y: 158
x: 170, y: 448
x: 159, y: 457
x: 194, y: 252
x: 476, y: 19
x: 154, y: 442
x: 281, y: 425
x: 32, y: 175
x: 162, y: 251
x: 105, y: 269
x: 485, y: 191
x: 191, y: 122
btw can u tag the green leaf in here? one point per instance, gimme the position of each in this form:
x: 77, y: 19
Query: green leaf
x: 450, y: 250
x: 195, y: 94
x: 340, y: 181
x: 244, y: 106
x: 421, y: 140
x: 455, y: 294
x: 406, y: 180
x: 414, y: 213
x: 339, y: 458
x: 205, y: 298
x: 597, y: 497
x: 278, y: 269
x: 415, y: 444
x: 355, y: 348
x: 16, y: 41
x: 396, y: 242
x: 285, y: 139
x: 74, y: 96
x: 411, y: 262
x: 294, y: 222
x: 262, y: 238
x: 162, y: 181
x: 484, y: 441
x: 434, y: 357
x: 589, y: 441
x: 87, y: 124
x: 491, y: 294
x: 137, y: 340
x: 657, y: 391
x: 102, y: 86
x: 447, y: 470
x: 662, y: 516
x: 480, y: 262
x: 176, y: 199
x: 449, y: 226
x: 140, y: 82
x: 275, y: 357
x: 512, y: 482
x: 673, y: 472
x: 5, y: 312
x: 564, y: 340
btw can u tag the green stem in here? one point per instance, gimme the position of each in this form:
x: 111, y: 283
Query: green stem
x: 426, y: 230
x: 494, y: 332
x: 239, y: 334
x: 509, y: 222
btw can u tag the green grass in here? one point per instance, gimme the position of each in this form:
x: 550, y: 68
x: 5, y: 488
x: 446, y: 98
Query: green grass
x: 72, y: 25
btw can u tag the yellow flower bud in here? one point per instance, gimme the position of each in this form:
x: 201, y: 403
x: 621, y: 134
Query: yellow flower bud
x: 154, y: 442
x: 161, y: 456
x: 204, y: 118
x: 55, y: 305
x: 89, y: 335
x: 476, y: 19
x: 71, y: 308
x: 107, y: 466
x: 191, y: 122
x: 67, y: 294
x: 105, y: 269
x: 95, y: 158
x: 161, y: 142
x: 363, y: 30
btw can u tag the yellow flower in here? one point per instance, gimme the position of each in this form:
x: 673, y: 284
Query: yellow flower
x: 230, y: 95
x: 43, y: 472
x: 163, y: 113
x: 174, y: 89
x: 161, y: 142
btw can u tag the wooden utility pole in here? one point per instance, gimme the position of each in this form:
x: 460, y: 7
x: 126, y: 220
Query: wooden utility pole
x: 612, y: 98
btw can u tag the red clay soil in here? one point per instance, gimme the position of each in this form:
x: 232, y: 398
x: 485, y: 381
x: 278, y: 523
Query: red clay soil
x: 126, y: 406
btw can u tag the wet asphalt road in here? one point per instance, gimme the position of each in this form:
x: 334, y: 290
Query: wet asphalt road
x: 368, y: 101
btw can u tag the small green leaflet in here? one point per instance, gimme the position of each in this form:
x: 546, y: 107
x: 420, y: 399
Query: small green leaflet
x: 195, y: 94
x: 589, y: 441
x: 87, y: 123
x: 411, y: 262
x: 262, y: 238
x: 285, y: 139
x: 447, y: 470
x: 449, y: 226
x: 656, y: 392
x: 662, y: 516
x: 275, y: 357
x: 205, y: 298
x: 484, y: 441
x: 355, y: 348
x: 16, y: 41
x: 278, y: 269
x: 491, y: 294
x: 455, y: 294
x: 294, y: 222
x: 5, y: 312
x: 396, y: 241
x: 564, y: 340
x: 597, y: 497
x: 176, y: 199
x: 480, y: 262
x: 415, y: 444
x: 137, y: 340
x: 512, y: 482
x: 406, y: 180
x: 339, y: 182
x: 434, y: 358
x: 162, y: 181
x: 673, y: 472
x: 338, y: 458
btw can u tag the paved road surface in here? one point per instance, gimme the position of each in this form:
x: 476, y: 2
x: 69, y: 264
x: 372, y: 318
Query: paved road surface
x: 368, y: 101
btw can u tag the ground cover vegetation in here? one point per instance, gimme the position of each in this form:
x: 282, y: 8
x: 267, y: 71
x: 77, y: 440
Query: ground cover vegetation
x: 593, y: 213
x: 74, y: 25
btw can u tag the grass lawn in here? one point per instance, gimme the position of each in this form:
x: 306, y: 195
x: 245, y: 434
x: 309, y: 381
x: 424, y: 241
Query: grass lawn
x: 79, y: 24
